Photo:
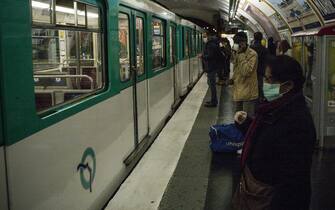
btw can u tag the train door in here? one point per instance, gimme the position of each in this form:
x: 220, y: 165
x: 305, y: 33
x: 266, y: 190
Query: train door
x: 173, y: 57
x: 132, y: 56
x: 140, y: 84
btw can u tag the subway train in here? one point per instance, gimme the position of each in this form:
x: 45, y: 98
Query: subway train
x: 85, y: 88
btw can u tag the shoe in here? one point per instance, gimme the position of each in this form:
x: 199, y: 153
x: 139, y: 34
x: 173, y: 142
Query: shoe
x: 210, y: 105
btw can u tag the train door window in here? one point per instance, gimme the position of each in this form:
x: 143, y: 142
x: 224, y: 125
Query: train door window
x: 195, y: 42
x: 140, y: 45
x: 67, y: 62
x: 41, y: 11
x: 124, y: 47
x: 171, y: 45
x: 187, y: 44
x: 158, y: 43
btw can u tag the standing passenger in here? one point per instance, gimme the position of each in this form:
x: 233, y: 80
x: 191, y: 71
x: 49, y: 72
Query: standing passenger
x: 211, y: 57
x: 278, y: 146
x: 245, y: 91
x: 272, y: 46
x: 283, y: 48
x: 262, y: 53
x: 227, y: 52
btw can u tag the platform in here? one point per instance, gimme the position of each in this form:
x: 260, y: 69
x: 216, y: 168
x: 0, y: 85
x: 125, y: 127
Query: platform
x: 179, y: 172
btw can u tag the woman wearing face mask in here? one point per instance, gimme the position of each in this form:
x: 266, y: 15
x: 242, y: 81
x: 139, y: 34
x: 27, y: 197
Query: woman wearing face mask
x: 277, y: 153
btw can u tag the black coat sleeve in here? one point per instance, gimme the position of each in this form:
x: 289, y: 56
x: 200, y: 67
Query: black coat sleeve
x: 292, y: 155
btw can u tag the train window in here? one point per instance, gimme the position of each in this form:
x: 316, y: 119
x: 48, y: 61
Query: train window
x: 187, y: 44
x: 124, y: 47
x: 65, y: 12
x: 81, y: 14
x: 171, y: 43
x: 195, y: 48
x: 158, y: 43
x: 67, y: 63
x: 93, y: 20
x: 41, y: 11
x: 140, y: 45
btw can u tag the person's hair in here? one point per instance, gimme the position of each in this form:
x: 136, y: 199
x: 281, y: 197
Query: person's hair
x: 258, y: 36
x: 284, y: 46
x: 270, y: 39
x: 285, y: 68
x: 240, y: 37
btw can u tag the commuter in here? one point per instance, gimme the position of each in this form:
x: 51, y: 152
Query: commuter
x: 277, y: 152
x: 211, y: 57
x: 227, y: 52
x: 222, y: 64
x: 245, y: 85
x: 283, y: 48
x: 272, y: 46
x: 262, y: 54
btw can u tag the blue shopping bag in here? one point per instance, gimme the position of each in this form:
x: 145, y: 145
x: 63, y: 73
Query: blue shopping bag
x: 225, y: 138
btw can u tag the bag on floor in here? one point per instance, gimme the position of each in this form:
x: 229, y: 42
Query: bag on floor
x: 225, y: 138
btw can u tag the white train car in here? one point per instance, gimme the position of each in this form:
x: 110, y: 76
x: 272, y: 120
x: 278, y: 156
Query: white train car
x: 85, y: 88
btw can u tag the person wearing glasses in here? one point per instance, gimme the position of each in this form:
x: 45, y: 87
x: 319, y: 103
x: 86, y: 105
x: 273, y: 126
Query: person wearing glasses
x: 279, y: 142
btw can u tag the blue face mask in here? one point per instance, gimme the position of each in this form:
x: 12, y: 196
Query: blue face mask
x: 271, y: 91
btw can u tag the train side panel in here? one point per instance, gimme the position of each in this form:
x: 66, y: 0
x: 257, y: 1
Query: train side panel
x: 3, y: 186
x: 42, y: 169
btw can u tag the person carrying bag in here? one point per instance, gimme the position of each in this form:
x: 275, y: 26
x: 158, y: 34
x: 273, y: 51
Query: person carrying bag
x: 279, y: 142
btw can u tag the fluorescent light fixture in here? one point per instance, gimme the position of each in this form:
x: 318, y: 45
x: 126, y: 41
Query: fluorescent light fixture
x: 41, y: 5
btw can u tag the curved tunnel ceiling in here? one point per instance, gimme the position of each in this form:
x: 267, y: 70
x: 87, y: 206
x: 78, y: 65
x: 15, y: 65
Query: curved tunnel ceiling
x: 277, y: 18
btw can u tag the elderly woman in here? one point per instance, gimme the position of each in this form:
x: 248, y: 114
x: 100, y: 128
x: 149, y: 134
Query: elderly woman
x: 279, y: 141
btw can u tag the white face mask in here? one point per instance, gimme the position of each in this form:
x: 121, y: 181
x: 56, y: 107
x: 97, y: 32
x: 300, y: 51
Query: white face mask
x: 236, y: 47
x: 205, y: 40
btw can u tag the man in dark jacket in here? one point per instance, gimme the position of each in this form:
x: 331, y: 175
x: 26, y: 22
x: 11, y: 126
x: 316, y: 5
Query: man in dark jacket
x: 262, y: 53
x: 226, y: 48
x: 279, y: 142
x: 272, y: 46
x: 211, y: 60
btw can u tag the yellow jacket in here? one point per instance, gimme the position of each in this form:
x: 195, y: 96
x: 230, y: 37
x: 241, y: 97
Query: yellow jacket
x: 245, y: 76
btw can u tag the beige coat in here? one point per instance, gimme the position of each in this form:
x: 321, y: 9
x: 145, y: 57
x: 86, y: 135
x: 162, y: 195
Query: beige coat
x: 245, y: 76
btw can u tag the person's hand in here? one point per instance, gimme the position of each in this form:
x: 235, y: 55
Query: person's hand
x: 240, y: 117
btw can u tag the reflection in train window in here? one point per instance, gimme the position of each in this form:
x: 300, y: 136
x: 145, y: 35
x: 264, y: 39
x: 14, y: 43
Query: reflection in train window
x: 67, y: 63
x: 158, y: 44
x: 124, y: 47
x: 140, y: 46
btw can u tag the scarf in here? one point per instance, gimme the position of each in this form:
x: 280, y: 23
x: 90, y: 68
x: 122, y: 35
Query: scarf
x: 263, y: 109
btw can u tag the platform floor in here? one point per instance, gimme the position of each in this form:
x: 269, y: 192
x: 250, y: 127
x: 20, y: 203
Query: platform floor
x: 179, y: 172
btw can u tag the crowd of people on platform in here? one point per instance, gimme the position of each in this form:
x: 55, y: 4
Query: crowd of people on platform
x: 271, y: 112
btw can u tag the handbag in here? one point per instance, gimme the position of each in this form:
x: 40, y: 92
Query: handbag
x: 252, y: 194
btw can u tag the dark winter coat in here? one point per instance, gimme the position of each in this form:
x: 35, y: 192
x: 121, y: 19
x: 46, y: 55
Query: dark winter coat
x: 281, y: 153
x: 262, y: 53
x: 212, y: 56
